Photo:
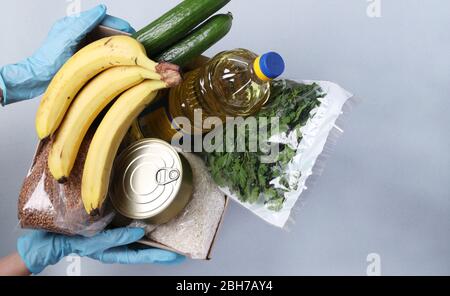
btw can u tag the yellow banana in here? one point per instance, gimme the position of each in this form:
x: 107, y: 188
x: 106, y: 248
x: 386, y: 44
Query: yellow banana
x: 79, y: 69
x: 106, y: 141
x: 92, y: 99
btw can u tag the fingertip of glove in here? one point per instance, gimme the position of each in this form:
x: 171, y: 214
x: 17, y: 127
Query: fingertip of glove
x: 118, y: 24
x: 179, y: 259
x: 102, y: 7
x: 174, y: 260
x: 165, y: 257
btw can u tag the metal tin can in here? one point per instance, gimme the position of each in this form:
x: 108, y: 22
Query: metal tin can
x: 151, y: 182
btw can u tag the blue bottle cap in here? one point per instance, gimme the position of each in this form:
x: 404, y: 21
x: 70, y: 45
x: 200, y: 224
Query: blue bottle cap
x: 271, y: 65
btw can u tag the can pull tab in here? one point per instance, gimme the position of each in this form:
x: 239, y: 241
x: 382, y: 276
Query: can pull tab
x: 165, y: 176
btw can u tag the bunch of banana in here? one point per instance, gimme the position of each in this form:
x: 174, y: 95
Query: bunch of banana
x: 81, y: 90
x: 83, y: 66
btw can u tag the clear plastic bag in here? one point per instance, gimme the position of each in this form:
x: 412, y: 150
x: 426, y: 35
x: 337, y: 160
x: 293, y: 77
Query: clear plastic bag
x: 47, y: 205
x: 252, y: 183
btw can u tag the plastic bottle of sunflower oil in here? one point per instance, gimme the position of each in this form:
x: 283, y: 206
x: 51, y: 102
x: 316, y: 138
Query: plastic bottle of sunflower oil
x: 233, y: 83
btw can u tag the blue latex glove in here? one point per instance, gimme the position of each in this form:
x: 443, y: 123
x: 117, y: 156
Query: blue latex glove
x: 30, y: 78
x: 38, y: 249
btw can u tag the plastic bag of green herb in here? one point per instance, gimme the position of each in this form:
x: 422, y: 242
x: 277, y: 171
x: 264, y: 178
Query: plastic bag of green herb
x: 263, y: 162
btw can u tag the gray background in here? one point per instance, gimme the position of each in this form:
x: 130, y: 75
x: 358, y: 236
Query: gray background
x: 385, y: 189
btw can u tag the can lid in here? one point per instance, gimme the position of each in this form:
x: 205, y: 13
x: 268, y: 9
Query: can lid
x: 269, y: 66
x: 147, y: 178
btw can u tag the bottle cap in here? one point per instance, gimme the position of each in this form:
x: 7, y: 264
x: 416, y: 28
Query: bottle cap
x: 269, y: 66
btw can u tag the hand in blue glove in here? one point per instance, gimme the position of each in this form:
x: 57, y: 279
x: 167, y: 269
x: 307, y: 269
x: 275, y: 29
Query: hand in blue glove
x: 30, y: 78
x: 38, y: 249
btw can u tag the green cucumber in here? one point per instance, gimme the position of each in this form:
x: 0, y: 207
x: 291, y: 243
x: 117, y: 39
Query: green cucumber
x: 197, y: 42
x: 175, y: 24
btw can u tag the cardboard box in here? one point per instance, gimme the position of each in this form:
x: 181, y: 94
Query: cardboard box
x: 101, y: 32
